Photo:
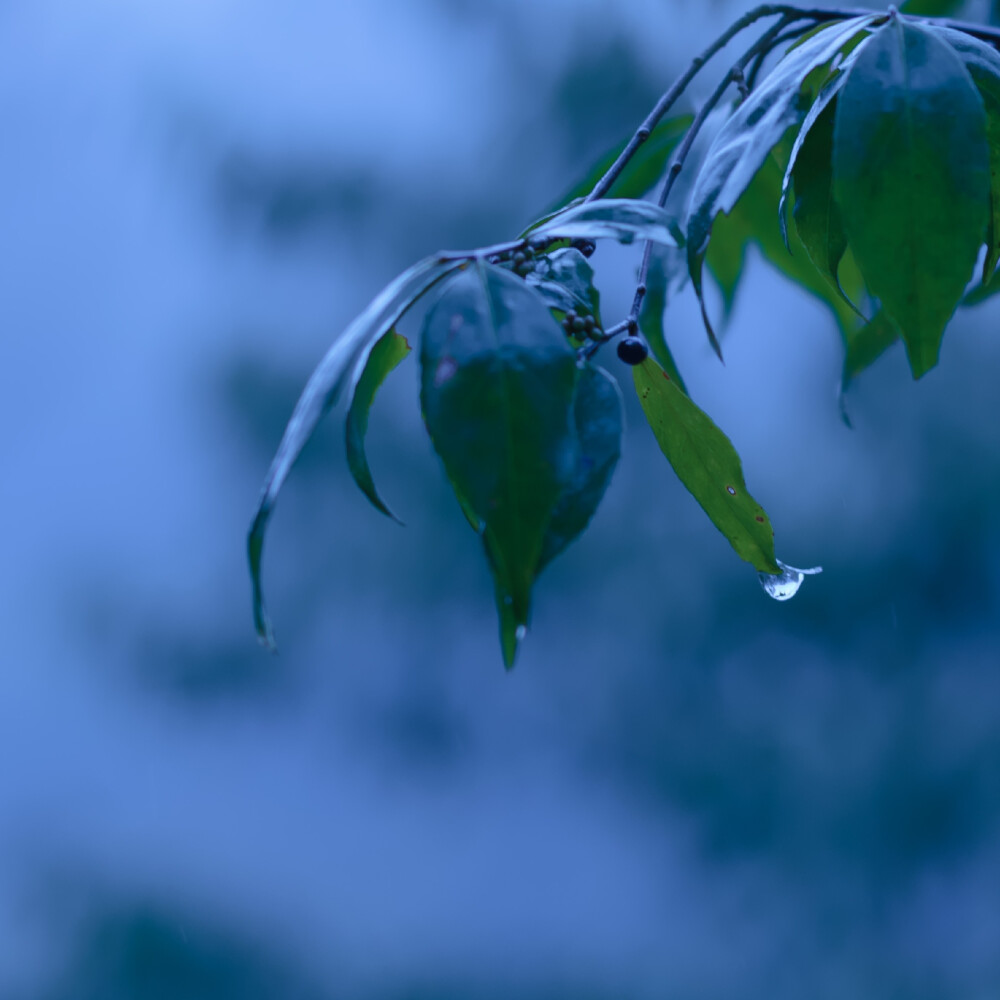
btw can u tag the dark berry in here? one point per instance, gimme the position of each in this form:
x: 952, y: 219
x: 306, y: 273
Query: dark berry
x: 579, y: 325
x: 589, y: 322
x: 632, y: 350
x: 519, y: 259
x: 586, y: 247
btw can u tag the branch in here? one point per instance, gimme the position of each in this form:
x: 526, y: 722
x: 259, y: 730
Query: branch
x: 735, y: 75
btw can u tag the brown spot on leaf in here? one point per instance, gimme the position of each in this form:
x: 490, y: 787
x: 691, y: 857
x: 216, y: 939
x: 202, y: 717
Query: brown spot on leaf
x: 761, y: 519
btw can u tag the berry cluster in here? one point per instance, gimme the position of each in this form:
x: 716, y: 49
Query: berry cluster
x: 581, y: 327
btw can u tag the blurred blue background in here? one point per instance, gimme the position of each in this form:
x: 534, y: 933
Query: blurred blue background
x: 683, y: 790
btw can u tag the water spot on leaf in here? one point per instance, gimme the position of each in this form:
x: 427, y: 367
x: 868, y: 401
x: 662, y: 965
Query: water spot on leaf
x: 785, y: 585
x: 731, y: 490
x: 521, y: 632
x: 446, y: 368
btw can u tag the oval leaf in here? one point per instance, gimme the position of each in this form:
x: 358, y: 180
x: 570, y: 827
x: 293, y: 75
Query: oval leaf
x: 497, y: 387
x: 321, y: 392
x: 911, y: 177
x: 387, y: 353
x: 983, y: 63
x: 707, y: 464
x: 621, y: 219
x: 597, y: 415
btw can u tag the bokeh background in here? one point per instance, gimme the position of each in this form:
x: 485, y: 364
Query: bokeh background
x: 683, y: 790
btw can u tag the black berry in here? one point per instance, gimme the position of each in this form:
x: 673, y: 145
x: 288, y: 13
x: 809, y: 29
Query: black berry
x: 633, y: 350
x: 586, y: 247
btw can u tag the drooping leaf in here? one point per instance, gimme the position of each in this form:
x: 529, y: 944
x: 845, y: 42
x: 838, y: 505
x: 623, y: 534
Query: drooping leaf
x: 707, y: 464
x: 911, y: 178
x: 565, y: 280
x: 322, y: 391
x: 388, y: 352
x: 983, y: 63
x: 744, y: 143
x: 753, y: 221
x: 597, y: 415
x: 644, y: 169
x: 667, y: 267
x: 817, y: 217
x: 616, y: 218
x: 497, y: 386
x: 758, y: 125
x: 863, y: 346
x: 867, y: 344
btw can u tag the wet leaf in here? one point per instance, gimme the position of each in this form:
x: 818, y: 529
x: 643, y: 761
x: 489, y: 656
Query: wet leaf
x: 757, y: 126
x: 983, y: 64
x: 597, y: 415
x: 321, y: 392
x: 614, y: 218
x: 911, y: 178
x: 497, y: 387
x: 387, y: 353
x: 707, y: 464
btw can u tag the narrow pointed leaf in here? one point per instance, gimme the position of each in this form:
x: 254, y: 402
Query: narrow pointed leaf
x: 597, y: 415
x: 615, y: 218
x: 321, y: 392
x: 666, y: 269
x: 707, y: 464
x: 983, y: 63
x: 497, y: 386
x: 911, y: 178
x: 757, y: 125
x: 817, y: 217
x: 387, y: 353
x: 565, y: 280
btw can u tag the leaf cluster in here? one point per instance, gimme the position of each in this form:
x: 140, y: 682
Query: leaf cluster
x: 866, y: 167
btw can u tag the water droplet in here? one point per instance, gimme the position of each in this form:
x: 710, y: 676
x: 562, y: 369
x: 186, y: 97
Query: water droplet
x: 785, y: 585
x: 731, y: 490
x: 521, y: 632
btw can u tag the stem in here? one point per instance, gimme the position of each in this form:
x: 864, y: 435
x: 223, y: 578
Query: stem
x: 735, y: 75
x: 667, y: 101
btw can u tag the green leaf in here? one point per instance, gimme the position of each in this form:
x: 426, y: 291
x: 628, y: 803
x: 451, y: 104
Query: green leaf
x: 644, y: 169
x: 911, y: 177
x: 867, y: 344
x: 930, y: 8
x: 565, y: 280
x: 757, y: 126
x: 743, y: 144
x: 817, y: 217
x: 598, y: 419
x: 387, y: 353
x: 616, y: 218
x: 321, y: 392
x: 666, y: 267
x: 707, y: 464
x: 753, y: 220
x: 983, y: 63
x: 497, y: 387
x: 597, y: 415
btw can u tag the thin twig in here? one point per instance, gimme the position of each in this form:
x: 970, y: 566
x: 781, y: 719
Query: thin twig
x: 763, y: 44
